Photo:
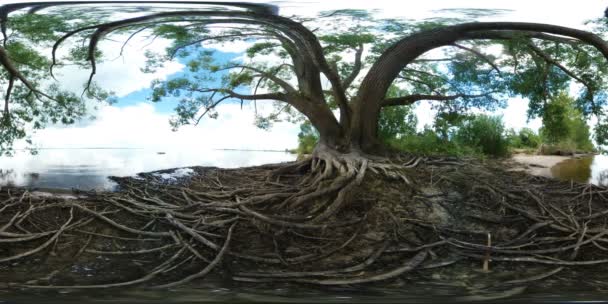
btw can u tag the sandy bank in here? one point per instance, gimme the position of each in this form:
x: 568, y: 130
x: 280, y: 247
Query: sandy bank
x: 539, y: 165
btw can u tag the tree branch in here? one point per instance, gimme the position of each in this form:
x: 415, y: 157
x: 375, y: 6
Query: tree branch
x: 548, y: 59
x: 282, y: 83
x: 410, y: 99
x: 356, y: 67
x: 269, y: 96
x: 7, y: 96
x: 480, y: 55
x: 428, y: 85
x: 177, y: 48
x: 14, y: 73
x: 232, y: 94
x: 382, y: 73
x: 426, y: 73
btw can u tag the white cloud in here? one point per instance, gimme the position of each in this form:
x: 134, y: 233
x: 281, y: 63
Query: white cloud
x: 141, y: 126
x: 562, y: 12
x: 120, y: 74
x: 237, y: 46
x: 515, y: 115
x: 425, y: 114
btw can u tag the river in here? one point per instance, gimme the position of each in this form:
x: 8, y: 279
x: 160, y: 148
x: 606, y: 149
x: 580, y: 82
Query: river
x: 587, y: 169
x: 87, y: 169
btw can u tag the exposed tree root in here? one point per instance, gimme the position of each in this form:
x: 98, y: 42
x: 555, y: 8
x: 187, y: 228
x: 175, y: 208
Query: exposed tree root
x: 336, y: 219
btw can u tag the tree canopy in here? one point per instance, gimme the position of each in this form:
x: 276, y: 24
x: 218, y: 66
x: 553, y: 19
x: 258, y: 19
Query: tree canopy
x: 335, y: 70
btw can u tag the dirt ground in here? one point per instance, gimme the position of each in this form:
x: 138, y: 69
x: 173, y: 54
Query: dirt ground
x: 415, y: 216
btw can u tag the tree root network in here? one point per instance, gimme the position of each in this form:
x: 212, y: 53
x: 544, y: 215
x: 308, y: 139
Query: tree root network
x: 330, y: 220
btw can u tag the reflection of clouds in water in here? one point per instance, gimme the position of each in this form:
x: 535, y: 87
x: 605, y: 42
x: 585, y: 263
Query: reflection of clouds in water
x: 599, y: 170
x: 603, y: 178
x: 8, y: 177
x: 89, y: 168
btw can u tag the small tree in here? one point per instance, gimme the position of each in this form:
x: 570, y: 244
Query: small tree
x: 563, y: 123
x: 556, y: 120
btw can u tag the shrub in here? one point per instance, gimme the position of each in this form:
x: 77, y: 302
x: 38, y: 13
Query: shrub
x: 564, y: 125
x: 396, y: 122
x: 429, y: 142
x: 485, y: 134
x: 526, y: 138
x: 307, y: 138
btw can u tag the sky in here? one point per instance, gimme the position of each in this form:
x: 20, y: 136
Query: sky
x: 137, y: 123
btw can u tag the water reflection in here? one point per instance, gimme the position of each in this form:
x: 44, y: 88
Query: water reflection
x: 89, y: 168
x: 589, y: 169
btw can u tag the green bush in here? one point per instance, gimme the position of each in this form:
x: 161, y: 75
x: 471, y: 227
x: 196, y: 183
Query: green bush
x: 307, y: 138
x: 564, y: 147
x: 564, y: 127
x: 485, y: 134
x: 396, y: 122
x: 429, y: 142
x: 526, y: 138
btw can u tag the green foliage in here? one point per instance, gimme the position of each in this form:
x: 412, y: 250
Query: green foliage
x: 262, y: 48
x: 37, y: 28
x: 25, y: 110
x: 484, y: 133
x: 396, y: 122
x: 579, y: 133
x: 307, y: 138
x: 526, y: 138
x: 428, y: 142
x: 564, y: 125
x: 556, y: 119
x: 468, y: 135
x: 468, y: 68
x: 478, y: 135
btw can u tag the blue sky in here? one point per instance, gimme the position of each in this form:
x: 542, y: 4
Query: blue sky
x: 167, y: 105
x: 136, y: 122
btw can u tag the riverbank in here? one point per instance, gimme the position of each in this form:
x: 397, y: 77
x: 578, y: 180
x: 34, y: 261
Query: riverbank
x: 253, y: 226
x: 537, y: 165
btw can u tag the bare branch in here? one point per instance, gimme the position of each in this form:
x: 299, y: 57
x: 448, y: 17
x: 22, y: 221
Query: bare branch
x: 122, y: 48
x: 356, y: 67
x: 7, y: 96
x: 269, y: 96
x: 426, y: 84
x: 410, y: 99
x: 426, y: 73
x: 480, y: 55
x: 555, y: 63
x: 232, y: 94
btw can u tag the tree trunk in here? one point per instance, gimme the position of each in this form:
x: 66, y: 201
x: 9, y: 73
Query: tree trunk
x: 367, y: 105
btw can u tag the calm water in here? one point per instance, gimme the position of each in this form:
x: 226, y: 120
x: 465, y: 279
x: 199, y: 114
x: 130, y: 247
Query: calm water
x: 590, y: 169
x: 87, y: 169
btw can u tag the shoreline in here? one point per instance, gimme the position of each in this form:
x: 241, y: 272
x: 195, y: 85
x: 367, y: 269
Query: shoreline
x: 537, y: 165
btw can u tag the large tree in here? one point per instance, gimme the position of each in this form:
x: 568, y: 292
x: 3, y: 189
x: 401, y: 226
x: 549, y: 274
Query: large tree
x: 338, y: 71
x: 350, y: 67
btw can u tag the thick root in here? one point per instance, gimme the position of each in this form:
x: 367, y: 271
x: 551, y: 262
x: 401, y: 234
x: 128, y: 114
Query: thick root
x: 321, y: 221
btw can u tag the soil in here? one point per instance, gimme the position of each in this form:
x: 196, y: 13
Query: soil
x: 306, y: 222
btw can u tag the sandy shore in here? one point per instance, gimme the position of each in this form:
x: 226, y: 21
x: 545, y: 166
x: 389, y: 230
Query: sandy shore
x: 539, y: 165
